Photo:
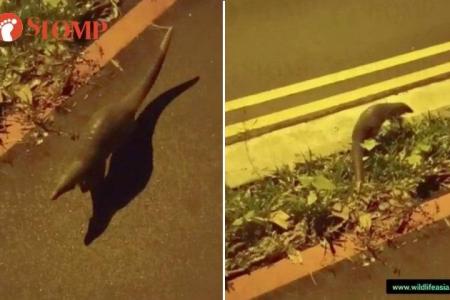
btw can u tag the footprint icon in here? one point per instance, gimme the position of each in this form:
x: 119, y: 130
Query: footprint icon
x: 6, y: 28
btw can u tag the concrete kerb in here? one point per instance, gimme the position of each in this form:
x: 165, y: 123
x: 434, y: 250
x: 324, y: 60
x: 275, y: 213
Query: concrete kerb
x: 101, y: 52
x: 284, y: 272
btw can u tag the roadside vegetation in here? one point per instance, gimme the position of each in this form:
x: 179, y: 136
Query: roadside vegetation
x: 37, y: 74
x: 315, y: 202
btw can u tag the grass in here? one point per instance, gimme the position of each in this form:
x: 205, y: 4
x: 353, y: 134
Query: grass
x: 315, y: 202
x: 37, y: 74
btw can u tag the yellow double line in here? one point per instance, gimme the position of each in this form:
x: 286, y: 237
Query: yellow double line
x: 274, y: 118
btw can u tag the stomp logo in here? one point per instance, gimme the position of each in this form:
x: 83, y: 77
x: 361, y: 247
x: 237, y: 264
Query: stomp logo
x: 11, y: 28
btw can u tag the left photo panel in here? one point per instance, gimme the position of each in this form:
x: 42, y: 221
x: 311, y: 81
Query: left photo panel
x: 111, y: 149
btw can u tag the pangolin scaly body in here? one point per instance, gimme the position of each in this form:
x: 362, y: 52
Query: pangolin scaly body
x: 109, y: 127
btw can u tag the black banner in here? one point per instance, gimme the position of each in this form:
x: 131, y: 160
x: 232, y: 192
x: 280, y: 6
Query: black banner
x: 418, y: 286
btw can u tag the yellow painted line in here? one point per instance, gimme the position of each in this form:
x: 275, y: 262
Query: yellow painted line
x: 373, y: 89
x: 335, y: 77
x: 119, y: 36
x: 283, y: 272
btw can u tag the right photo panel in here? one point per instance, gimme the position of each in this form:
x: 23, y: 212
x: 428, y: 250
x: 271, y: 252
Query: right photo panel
x: 337, y: 148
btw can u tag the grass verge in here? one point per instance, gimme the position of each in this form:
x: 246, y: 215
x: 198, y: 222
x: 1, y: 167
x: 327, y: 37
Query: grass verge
x: 315, y: 202
x: 36, y: 74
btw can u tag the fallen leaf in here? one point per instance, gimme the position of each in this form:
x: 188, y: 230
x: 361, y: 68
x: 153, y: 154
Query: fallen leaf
x: 414, y: 159
x: 55, y: 3
x: 249, y: 215
x: 25, y: 94
x: 312, y: 197
x: 337, y: 207
x: 424, y: 148
x: 365, y: 221
x: 344, y: 214
x: 238, y: 222
x: 369, y: 144
x: 280, y: 218
x: 305, y: 180
x: 294, y: 255
x: 384, y: 206
x: 320, y: 182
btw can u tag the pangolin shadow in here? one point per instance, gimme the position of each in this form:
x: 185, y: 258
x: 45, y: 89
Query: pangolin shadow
x: 130, y: 166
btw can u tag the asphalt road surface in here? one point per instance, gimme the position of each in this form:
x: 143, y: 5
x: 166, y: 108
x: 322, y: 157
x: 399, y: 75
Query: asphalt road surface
x: 274, y: 43
x: 155, y: 232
